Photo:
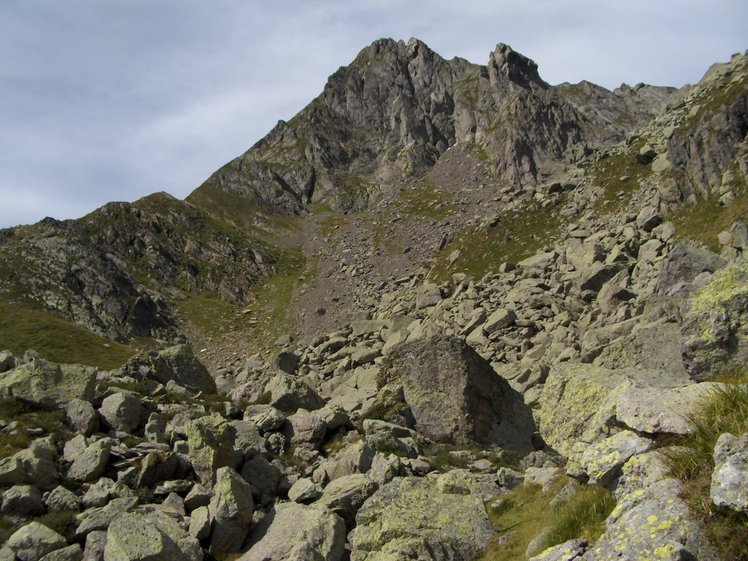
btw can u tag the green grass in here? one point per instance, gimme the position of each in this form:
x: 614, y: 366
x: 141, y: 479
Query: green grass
x: 619, y: 176
x: 691, y: 461
x: 26, y: 325
x: 517, y: 236
x: 526, y: 511
x: 28, y: 417
x: 426, y: 200
x: 713, y: 101
x: 705, y: 219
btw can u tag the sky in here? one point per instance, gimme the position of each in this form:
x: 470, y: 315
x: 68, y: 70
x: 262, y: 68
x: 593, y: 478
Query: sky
x: 104, y: 100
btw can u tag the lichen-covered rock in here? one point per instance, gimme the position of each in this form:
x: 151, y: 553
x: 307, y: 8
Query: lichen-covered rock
x: 571, y: 550
x: 435, y: 518
x: 730, y: 476
x: 455, y: 396
x: 34, y: 541
x: 230, y: 511
x: 70, y: 553
x: 294, y: 532
x: 81, y: 416
x: 601, y: 462
x: 716, y: 323
x: 98, y: 519
x: 288, y: 393
x: 61, y: 499
x: 346, y: 494
x: 34, y: 465
x: 211, y: 446
x: 91, y: 464
x: 48, y: 384
x: 23, y: 500
x: 650, y: 520
x: 152, y: 536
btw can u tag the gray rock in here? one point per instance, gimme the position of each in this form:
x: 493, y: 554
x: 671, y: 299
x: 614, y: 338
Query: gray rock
x: 47, y: 384
x: 455, y: 396
x: 345, y: 495
x: 730, y: 476
x: 304, y: 490
x: 294, y: 532
x: 305, y: 428
x: 198, y: 496
x: 646, y: 154
x: 648, y: 218
x: 23, y: 500
x: 61, y: 499
x: 34, y: 465
x: 122, y: 412
x: 211, y: 446
x: 99, y: 518
x: 288, y: 393
x: 230, y: 511
x: 436, y: 517
x: 200, y: 523
x: 70, y: 553
x: 95, y: 544
x: 34, y: 541
x: 571, y: 550
x: 263, y: 477
x: 82, y: 417
x: 428, y: 295
x: 509, y: 478
x: 149, y: 535
x: 91, y: 463
x: 500, y: 319
x: 287, y: 361
x: 177, y: 364
x: 602, y: 461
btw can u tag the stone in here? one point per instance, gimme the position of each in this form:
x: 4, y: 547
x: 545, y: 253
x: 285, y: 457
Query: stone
x: 509, y: 478
x: 455, y: 396
x: 500, y: 319
x: 33, y: 541
x: 571, y: 550
x: 729, y: 487
x: 265, y: 417
x: 288, y: 393
x: 413, y: 517
x: 48, y: 384
x: 101, y: 492
x: 122, y: 412
x: 200, y: 523
x: 95, y: 544
x: 99, y: 518
x: 648, y: 218
x: 23, y: 500
x: 81, y: 416
x: 70, y: 553
x: 263, y: 477
x: 427, y: 295
x: 305, y: 428
x: 157, y: 467
x: 210, y: 442
x: 178, y: 364
x: 294, y: 532
x: 231, y: 509
x: 198, y: 496
x: 61, y: 499
x: 91, y: 463
x: 646, y: 154
x: 152, y: 536
x: 304, y: 490
x: 286, y: 361
x: 602, y: 461
x: 345, y: 495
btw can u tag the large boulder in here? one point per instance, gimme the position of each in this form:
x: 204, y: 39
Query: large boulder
x: 36, y: 465
x: 48, y: 384
x: 177, y: 363
x: 438, y: 517
x: 33, y: 541
x: 288, y: 393
x: 151, y: 536
x: 455, y: 396
x: 294, y: 532
x: 345, y: 495
x: 122, y: 412
x: 210, y: 440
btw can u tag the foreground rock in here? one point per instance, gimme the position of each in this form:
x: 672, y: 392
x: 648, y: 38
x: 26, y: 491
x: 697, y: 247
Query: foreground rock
x: 293, y: 532
x: 152, y: 536
x: 436, y: 518
x: 730, y: 477
x: 455, y: 396
x: 48, y: 384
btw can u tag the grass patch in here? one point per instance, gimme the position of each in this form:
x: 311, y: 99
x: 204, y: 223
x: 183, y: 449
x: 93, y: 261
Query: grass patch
x: 619, y: 176
x: 518, y: 235
x: 426, y: 200
x: 26, y: 325
x: 691, y: 461
x: 705, y: 219
x: 28, y: 417
x: 526, y: 511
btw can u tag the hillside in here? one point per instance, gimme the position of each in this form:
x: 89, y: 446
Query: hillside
x: 441, y: 302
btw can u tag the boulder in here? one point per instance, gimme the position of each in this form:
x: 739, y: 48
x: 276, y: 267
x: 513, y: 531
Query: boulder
x: 99, y: 518
x: 294, y: 532
x: 23, y: 500
x: 571, y: 550
x: 440, y: 517
x: 61, y: 499
x: 455, y: 396
x: 263, y: 477
x: 122, y: 412
x: 33, y: 541
x: 304, y: 490
x: 230, y: 511
x: 70, y: 553
x: 288, y: 393
x: 601, y: 462
x: 81, y: 416
x: 34, y: 465
x: 48, y: 384
x: 152, y: 536
x: 91, y: 464
x: 345, y: 495
x: 730, y: 476
x: 177, y: 363
x: 210, y: 441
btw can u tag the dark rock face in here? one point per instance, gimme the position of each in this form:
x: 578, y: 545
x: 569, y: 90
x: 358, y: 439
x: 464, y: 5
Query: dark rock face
x: 455, y: 396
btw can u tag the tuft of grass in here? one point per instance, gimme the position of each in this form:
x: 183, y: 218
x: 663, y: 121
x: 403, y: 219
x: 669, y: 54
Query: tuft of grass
x: 620, y: 176
x: 524, y: 512
x: 426, y: 200
x: 26, y: 325
x: 692, y: 461
x: 704, y: 219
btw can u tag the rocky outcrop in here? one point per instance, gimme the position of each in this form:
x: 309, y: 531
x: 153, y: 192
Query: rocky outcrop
x: 46, y: 384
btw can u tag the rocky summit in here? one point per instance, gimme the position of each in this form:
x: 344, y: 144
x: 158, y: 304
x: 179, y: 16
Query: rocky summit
x: 447, y: 312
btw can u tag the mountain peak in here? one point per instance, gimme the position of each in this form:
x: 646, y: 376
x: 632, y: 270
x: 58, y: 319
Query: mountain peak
x: 515, y: 67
